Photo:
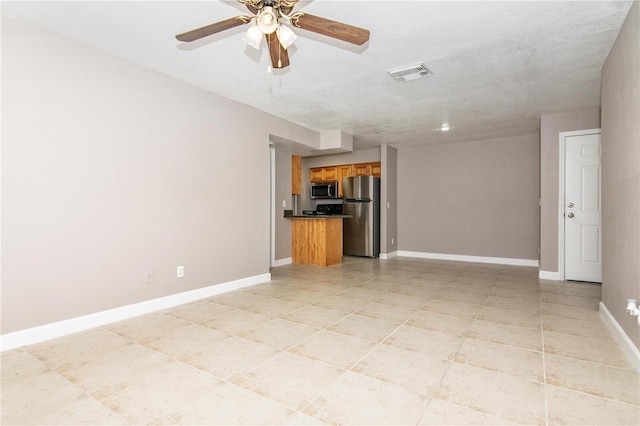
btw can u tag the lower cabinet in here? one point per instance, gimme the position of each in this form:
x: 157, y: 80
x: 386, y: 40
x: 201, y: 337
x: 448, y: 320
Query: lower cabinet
x: 316, y: 241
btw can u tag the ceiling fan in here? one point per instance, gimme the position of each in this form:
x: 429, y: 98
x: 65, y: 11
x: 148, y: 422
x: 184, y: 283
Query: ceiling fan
x: 268, y: 17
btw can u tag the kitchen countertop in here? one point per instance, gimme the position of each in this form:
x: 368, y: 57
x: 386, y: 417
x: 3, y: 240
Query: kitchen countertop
x: 319, y: 216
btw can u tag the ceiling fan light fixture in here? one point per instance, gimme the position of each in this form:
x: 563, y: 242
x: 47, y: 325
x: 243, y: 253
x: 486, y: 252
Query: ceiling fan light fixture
x: 286, y: 36
x: 267, y: 16
x: 253, y: 36
x: 267, y: 20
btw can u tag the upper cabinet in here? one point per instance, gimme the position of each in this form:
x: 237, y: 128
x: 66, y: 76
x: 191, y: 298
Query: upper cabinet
x: 330, y: 174
x: 376, y: 169
x: 345, y: 171
x: 316, y: 174
x: 362, y: 169
x: 324, y: 174
x: 296, y: 175
x: 337, y: 173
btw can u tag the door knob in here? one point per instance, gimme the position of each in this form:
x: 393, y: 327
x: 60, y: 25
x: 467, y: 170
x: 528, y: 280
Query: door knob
x: 570, y: 205
x: 570, y: 215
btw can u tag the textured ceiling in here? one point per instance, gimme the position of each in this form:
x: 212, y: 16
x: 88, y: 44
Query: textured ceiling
x: 497, y: 66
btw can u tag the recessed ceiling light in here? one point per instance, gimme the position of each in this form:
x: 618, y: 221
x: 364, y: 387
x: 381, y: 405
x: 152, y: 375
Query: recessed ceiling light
x: 445, y: 127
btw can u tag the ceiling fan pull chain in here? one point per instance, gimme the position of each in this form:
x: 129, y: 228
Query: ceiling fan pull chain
x: 279, y: 60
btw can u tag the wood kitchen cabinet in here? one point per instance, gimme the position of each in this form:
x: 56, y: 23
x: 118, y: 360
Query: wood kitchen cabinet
x: 337, y: 173
x: 343, y: 172
x: 330, y: 174
x: 333, y: 173
x: 376, y: 169
x: 296, y: 175
x: 316, y: 241
x: 362, y: 169
x: 316, y: 174
x: 324, y: 174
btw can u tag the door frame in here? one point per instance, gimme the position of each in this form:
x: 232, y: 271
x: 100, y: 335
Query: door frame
x: 561, y: 190
x: 272, y: 205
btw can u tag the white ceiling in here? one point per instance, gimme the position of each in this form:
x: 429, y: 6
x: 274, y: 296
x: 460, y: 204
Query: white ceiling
x: 497, y: 66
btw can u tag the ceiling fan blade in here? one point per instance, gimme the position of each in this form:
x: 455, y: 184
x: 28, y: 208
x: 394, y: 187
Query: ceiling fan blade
x: 279, y: 55
x: 210, y: 29
x: 330, y: 28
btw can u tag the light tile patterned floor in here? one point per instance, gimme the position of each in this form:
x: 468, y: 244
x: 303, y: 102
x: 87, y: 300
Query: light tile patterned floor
x: 401, y: 341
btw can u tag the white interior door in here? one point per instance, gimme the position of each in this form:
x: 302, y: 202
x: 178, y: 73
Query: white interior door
x: 582, y: 209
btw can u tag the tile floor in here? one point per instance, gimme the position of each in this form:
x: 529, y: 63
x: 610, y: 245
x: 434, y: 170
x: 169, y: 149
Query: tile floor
x: 402, y: 341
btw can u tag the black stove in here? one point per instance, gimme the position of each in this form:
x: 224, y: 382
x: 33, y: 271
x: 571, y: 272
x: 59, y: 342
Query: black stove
x: 329, y: 209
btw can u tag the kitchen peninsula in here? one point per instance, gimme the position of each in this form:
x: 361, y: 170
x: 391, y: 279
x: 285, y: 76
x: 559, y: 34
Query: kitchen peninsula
x: 316, y: 239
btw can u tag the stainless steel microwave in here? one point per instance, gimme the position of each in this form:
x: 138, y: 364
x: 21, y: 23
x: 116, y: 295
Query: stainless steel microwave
x: 324, y: 190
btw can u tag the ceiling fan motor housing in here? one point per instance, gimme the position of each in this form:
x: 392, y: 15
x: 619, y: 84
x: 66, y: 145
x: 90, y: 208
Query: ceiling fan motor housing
x: 282, y: 6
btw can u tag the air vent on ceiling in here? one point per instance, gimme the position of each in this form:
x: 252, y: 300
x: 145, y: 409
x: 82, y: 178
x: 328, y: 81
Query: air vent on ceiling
x: 410, y: 73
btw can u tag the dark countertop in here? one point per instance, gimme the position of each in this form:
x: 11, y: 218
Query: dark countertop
x: 319, y: 216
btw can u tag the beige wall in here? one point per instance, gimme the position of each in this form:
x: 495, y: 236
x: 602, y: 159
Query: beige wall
x: 110, y: 170
x: 550, y: 127
x: 621, y: 174
x: 389, y: 200
x: 478, y: 198
x: 282, y: 176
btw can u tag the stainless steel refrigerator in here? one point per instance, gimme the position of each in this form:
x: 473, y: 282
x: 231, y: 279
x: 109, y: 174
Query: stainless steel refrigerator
x: 362, y: 201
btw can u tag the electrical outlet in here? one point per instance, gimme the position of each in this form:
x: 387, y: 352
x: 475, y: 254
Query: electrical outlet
x: 180, y: 271
x: 392, y: 241
x: 148, y: 279
x: 284, y: 203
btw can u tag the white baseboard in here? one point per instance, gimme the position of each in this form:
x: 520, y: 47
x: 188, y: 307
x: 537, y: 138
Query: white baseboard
x: 628, y: 348
x: 391, y: 255
x: 549, y: 275
x: 282, y: 262
x: 464, y: 258
x: 41, y: 333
